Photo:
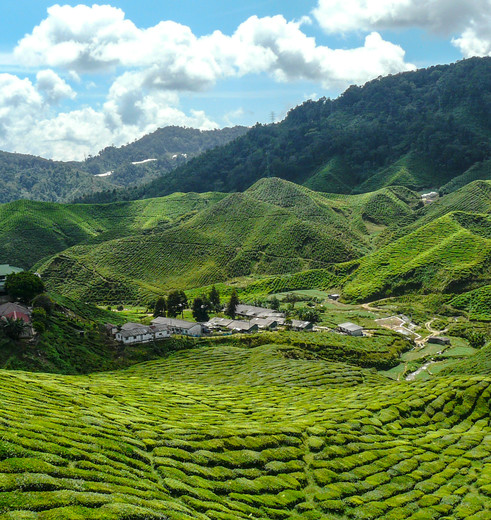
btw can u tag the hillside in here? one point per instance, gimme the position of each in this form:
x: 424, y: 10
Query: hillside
x: 417, y: 129
x: 275, y: 227
x: 31, y: 231
x: 35, y: 178
x: 140, y: 444
x: 29, y: 177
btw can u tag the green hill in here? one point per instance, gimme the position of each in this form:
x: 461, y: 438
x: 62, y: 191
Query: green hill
x: 418, y: 129
x: 275, y: 227
x: 35, y: 178
x: 31, y: 231
x: 29, y: 177
x: 140, y: 444
x: 450, y: 254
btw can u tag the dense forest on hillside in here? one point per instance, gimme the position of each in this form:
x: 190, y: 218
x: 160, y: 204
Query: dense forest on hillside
x: 35, y: 178
x: 418, y: 129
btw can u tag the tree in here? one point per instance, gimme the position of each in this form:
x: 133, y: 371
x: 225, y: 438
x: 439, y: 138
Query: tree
x: 214, y: 298
x: 232, y: 304
x: 307, y: 314
x: 24, y: 286
x: 176, y: 303
x: 160, y: 307
x: 274, y: 303
x: 43, y: 301
x: 13, y: 328
x: 200, y: 309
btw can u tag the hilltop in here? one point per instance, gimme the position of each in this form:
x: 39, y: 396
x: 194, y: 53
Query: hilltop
x: 35, y: 178
x: 420, y: 129
x: 275, y: 227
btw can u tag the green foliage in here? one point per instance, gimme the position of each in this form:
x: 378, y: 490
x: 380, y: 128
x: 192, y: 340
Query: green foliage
x: 160, y: 307
x: 45, y: 302
x: 234, y: 433
x: 418, y: 129
x: 176, y: 303
x: 231, y: 307
x: 12, y: 327
x: 477, y: 303
x: 24, y: 286
x: 214, y: 299
x: 200, y: 309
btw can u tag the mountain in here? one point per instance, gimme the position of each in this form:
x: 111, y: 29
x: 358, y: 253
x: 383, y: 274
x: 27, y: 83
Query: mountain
x: 31, y: 230
x: 29, y: 177
x: 275, y: 227
x: 157, y: 153
x: 35, y: 178
x: 418, y: 129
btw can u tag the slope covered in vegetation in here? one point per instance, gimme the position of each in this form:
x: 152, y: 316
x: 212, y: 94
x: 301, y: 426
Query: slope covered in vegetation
x: 275, y: 227
x: 30, y: 231
x: 418, y: 129
x: 138, y: 444
x: 35, y: 178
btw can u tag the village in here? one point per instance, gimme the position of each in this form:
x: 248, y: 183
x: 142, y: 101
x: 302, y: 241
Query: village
x: 249, y: 319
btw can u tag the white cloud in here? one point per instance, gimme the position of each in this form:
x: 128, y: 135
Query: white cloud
x: 52, y: 87
x: 438, y: 15
x: 469, y: 18
x: 153, y: 66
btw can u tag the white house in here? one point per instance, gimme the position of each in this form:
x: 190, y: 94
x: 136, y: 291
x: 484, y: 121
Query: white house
x: 351, y: 329
x: 187, y: 328
x: 138, y: 333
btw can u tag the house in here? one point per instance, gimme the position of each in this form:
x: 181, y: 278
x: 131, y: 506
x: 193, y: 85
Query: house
x: 351, y: 329
x: 242, y: 326
x: 5, y: 270
x: 251, y: 311
x: 187, y: 328
x: 439, y: 340
x: 17, y: 312
x: 217, y: 323
x: 334, y: 297
x: 265, y: 323
x: 302, y: 325
x: 138, y: 333
x: 160, y: 331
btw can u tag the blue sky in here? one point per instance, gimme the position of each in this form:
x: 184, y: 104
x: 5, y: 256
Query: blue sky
x: 76, y: 77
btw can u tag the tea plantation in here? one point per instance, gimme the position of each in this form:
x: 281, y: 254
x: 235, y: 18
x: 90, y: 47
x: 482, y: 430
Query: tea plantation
x: 228, y: 433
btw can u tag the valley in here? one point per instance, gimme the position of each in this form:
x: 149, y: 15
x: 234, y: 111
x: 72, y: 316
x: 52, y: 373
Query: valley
x: 355, y: 235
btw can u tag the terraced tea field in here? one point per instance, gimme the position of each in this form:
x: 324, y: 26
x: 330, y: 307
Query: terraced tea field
x: 227, y: 433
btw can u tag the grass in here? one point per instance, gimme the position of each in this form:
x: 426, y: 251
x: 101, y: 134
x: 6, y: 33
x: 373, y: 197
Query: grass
x: 231, y: 432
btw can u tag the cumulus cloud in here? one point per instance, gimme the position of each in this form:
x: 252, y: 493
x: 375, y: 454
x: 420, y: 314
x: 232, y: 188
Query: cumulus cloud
x: 154, y: 66
x: 52, y: 87
x: 470, y: 19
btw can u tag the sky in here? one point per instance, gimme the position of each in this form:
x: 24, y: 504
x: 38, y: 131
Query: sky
x: 76, y: 77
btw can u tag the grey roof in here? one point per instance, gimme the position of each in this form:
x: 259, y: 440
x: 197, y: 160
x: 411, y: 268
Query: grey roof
x: 172, y: 322
x: 8, y: 308
x: 240, y: 325
x: 131, y: 325
x: 350, y: 326
x: 264, y: 322
x: 299, y: 324
x: 136, y: 332
x: 6, y: 269
x: 216, y: 321
x: 159, y: 328
x: 259, y: 312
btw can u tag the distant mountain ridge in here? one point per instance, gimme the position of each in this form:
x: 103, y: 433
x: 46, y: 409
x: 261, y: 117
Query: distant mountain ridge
x: 419, y: 129
x: 29, y: 177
